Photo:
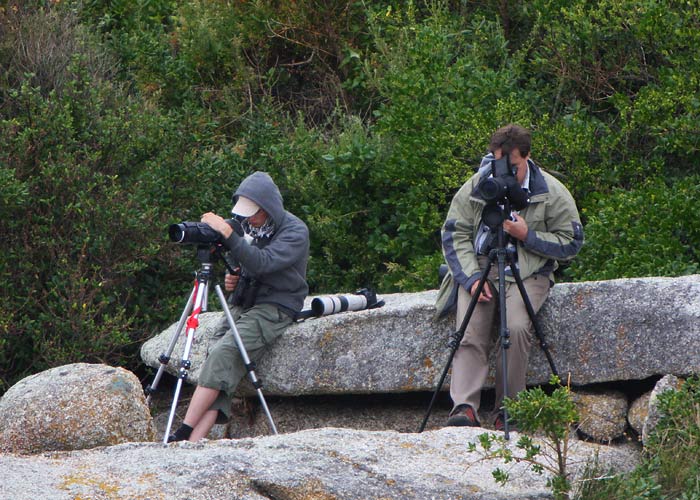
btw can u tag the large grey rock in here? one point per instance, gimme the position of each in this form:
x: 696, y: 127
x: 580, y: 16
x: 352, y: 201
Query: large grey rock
x: 598, y: 331
x: 356, y: 352
x: 320, y: 464
x: 625, y: 329
x: 74, y: 407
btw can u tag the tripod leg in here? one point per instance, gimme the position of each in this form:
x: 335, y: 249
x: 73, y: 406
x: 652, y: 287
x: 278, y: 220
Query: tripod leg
x: 503, y: 327
x: 164, y: 358
x: 532, y: 314
x: 192, y: 324
x: 246, y: 360
x: 456, y: 338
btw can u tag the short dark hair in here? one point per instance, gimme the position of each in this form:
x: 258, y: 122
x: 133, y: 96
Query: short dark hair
x: 509, y: 137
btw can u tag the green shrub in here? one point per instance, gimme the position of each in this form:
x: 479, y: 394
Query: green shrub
x: 393, y: 179
x: 537, y: 413
x: 432, y: 86
x: 598, y: 483
x: 618, y: 98
x: 64, y: 260
x: 647, y: 231
x: 674, y: 445
x: 86, y: 168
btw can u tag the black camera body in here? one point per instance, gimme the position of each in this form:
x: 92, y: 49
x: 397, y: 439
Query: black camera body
x: 501, y: 190
x: 502, y: 185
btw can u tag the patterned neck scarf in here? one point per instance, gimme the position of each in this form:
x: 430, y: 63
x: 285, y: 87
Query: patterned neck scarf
x: 264, y: 231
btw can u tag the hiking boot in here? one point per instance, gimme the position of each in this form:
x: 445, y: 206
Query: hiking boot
x: 463, y: 416
x: 499, y: 424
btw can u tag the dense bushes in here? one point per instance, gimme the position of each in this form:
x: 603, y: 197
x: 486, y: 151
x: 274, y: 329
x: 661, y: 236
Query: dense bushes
x: 649, y: 230
x: 87, y: 169
x: 119, y: 117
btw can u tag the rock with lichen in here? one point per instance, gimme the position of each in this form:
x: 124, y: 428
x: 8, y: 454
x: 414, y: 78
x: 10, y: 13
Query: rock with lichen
x: 74, y: 407
x: 602, y: 415
x: 639, y: 411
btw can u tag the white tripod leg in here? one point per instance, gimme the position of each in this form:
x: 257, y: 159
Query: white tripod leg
x: 192, y: 324
x: 164, y: 358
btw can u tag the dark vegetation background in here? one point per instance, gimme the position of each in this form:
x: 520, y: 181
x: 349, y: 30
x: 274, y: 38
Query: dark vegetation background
x: 119, y: 117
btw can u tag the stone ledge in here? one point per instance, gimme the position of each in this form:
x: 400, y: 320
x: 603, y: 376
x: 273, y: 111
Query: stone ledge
x: 599, y: 331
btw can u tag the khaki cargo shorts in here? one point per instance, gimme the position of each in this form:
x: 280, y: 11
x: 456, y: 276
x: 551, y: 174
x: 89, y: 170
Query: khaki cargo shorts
x: 258, y: 327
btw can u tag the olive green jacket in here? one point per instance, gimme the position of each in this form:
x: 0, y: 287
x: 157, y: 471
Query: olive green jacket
x: 554, y: 233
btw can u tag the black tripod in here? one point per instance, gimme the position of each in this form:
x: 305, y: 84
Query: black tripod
x: 502, y: 254
x: 196, y: 304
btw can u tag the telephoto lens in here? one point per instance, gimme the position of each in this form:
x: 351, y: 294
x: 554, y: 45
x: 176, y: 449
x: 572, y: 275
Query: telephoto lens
x: 199, y: 232
x: 332, y: 304
x: 193, y: 232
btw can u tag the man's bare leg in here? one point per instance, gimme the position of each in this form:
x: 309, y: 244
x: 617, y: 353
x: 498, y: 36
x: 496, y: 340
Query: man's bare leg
x: 206, y: 422
x: 199, y: 419
x: 202, y: 400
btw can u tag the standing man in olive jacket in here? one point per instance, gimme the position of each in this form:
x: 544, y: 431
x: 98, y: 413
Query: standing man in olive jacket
x: 272, y: 260
x: 546, y: 231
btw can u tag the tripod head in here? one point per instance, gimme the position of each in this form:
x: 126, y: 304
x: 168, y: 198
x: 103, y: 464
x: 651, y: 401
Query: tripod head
x: 494, y: 215
x: 209, y: 254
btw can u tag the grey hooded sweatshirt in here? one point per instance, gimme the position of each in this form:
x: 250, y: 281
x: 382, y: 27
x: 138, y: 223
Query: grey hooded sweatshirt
x: 277, y: 262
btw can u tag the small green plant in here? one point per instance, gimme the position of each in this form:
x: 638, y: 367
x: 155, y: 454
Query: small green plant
x: 547, y: 415
x: 673, y: 447
x: 600, y: 483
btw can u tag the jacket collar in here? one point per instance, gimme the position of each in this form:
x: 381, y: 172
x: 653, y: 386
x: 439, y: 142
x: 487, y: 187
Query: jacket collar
x: 537, y: 183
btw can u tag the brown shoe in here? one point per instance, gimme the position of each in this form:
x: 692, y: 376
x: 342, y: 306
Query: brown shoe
x: 499, y: 424
x: 463, y: 416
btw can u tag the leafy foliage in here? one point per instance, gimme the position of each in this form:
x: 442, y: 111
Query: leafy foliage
x: 676, y: 439
x: 668, y: 469
x: 647, y: 231
x: 598, y: 483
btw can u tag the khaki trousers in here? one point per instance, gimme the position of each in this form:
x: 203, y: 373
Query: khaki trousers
x: 470, y: 364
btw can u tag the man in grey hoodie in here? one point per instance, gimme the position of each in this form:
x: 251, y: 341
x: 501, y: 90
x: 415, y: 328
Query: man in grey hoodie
x: 275, y: 257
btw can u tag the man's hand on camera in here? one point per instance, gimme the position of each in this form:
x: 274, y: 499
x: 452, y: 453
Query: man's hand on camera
x: 217, y: 223
x: 517, y: 228
x: 485, y: 292
x: 231, y: 281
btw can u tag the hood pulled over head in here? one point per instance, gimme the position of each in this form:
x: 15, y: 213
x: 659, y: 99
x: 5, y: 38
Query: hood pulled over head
x: 262, y: 190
